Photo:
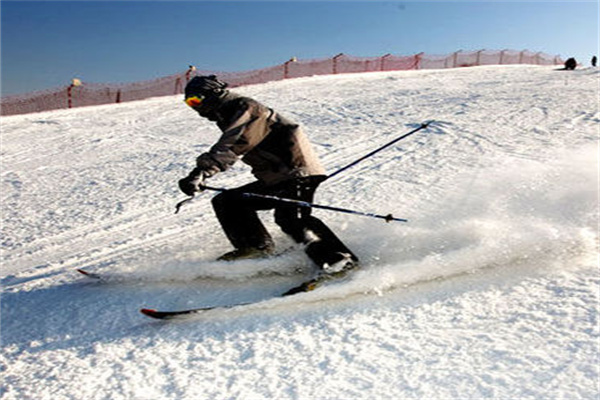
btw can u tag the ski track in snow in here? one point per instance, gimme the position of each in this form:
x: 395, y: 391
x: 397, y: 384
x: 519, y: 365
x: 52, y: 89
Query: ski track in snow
x: 490, y: 290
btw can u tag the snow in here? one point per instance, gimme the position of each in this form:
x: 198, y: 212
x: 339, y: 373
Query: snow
x: 490, y: 290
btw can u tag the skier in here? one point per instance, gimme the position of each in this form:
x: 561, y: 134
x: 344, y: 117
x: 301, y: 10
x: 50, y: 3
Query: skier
x: 284, y: 164
x: 570, y: 64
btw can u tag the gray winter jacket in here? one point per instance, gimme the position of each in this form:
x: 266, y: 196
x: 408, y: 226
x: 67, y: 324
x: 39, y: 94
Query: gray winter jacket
x: 276, y: 148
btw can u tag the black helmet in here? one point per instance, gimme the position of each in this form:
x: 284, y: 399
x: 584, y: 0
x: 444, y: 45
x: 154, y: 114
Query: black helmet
x: 206, y: 86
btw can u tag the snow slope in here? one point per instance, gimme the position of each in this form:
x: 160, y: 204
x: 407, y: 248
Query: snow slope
x: 489, y: 291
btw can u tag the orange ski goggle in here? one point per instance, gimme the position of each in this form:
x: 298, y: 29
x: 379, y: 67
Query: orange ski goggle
x: 194, y: 101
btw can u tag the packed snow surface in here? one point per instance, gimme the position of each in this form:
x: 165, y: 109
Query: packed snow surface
x: 490, y: 290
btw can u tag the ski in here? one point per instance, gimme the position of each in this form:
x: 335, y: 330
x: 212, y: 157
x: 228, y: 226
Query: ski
x: 305, y: 287
x: 108, y: 277
x: 103, y: 277
x: 180, y: 314
x: 90, y: 274
x: 118, y: 278
x: 149, y: 312
x: 312, y: 284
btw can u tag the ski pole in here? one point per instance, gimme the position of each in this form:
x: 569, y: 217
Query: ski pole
x: 353, y: 163
x: 300, y: 203
x: 388, y: 217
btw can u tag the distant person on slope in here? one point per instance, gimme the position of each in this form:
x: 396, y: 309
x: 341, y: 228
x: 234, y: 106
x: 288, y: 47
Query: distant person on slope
x: 570, y: 64
x: 284, y: 164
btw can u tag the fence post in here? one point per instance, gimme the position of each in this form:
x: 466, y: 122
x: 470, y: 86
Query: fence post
x: 418, y: 58
x: 478, y: 59
x: 521, y: 57
x: 286, y: 67
x: 383, y: 61
x: 501, y: 57
x: 188, y: 73
x: 335, y: 62
x: 455, y: 61
x: 74, y: 83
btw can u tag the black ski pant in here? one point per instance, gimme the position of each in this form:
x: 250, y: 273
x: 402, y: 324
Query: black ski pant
x: 238, y: 216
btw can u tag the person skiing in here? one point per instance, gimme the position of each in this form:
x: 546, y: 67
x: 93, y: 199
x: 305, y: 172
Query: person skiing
x: 284, y: 164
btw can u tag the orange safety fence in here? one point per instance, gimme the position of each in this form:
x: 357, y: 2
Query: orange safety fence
x: 87, y: 94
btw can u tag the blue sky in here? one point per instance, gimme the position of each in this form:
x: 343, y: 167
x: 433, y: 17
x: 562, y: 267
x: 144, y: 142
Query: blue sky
x: 45, y: 44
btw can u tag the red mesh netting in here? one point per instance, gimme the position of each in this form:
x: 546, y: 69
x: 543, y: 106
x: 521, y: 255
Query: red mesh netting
x: 94, y: 94
x: 344, y: 64
x: 252, y: 77
x: 297, y: 69
x: 436, y: 61
x: 395, y: 63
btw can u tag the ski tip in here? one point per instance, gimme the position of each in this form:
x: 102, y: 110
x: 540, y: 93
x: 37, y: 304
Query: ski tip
x: 88, y: 274
x: 149, y: 312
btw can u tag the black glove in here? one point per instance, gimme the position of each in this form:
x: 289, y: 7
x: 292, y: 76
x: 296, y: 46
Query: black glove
x: 193, y: 183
